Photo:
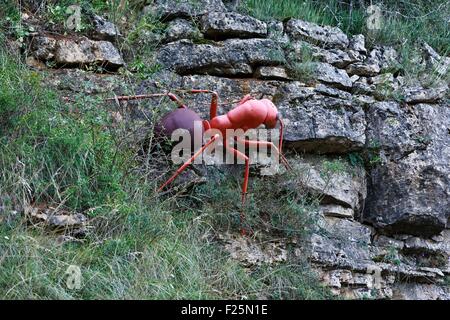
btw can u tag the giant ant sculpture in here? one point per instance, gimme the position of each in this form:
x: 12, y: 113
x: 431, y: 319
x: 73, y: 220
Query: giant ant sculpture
x: 249, y: 113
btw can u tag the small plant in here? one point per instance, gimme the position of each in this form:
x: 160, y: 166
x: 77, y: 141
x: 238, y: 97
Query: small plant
x: 356, y: 159
x: 301, y: 62
x: 447, y: 281
x: 303, y: 71
x: 56, y: 14
x: 330, y: 168
x: 143, y: 40
x: 392, y: 256
x: 372, y: 153
x: 142, y: 69
x: 374, y: 159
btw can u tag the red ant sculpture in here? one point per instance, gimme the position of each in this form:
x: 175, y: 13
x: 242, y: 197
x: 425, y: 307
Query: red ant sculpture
x: 248, y: 114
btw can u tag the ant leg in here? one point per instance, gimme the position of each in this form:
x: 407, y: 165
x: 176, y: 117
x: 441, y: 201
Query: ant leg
x: 245, y: 184
x: 147, y: 96
x: 256, y: 143
x: 187, y: 163
x: 246, y: 98
x: 214, y: 100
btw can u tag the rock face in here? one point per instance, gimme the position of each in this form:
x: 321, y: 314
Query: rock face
x: 56, y: 219
x: 368, y: 68
x: 331, y: 75
x: 230, y: 25
x: 336, y: 57
x: 104, y: 30
x: 319, y: 122
x: 421, y: 95
x: 169, y: 9
x: 411, y: 188
x: 355, y: 266
x: 181, y: 29
x: 69, y: 52
x: 233, y: 57
x: 271, y: 73
x: 324, y: 35
x: 434, y: 61
x: 342, y: 192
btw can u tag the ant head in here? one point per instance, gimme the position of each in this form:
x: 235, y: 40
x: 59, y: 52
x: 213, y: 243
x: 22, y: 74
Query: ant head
x: 272, y: 114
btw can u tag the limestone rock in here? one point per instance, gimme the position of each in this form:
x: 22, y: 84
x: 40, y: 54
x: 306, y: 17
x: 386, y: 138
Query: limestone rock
x: 414, y: 173
x: 169, y: 9
x: 342, y: 243
x: 328, y: 74
x: 358, y: 43
x: 430, y: 246
x: 368, y: 68
x: 383, y: 241
x: 332, y: 92
x: 393, y: 129
x: 34, y: 63
x: 180, y: 29
x: 329, y: 37
x: 347, y: 259
x: 419, y: 94
x: 333, y: 210
x: 434, y: 61
x: 275, y: 31
x: 77, y: 52
x: 421, y: 291
x: 356, y: 285
x: 104, y: 30
x: 76, y: 80
x: 336, y: 57
x: 385, y: 56
x: 66, y: 220
x: 43, y: 47
x: 271, y: 73
x: 222, y: 25
x: 320, y: 122
x: 251, y: 253
x: 230, y: 57
x: 346, y: 189
x: 55, y: 218
x: 106, y: 54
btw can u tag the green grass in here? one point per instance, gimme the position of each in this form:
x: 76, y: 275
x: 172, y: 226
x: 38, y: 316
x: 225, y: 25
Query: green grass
x: 138, y: 245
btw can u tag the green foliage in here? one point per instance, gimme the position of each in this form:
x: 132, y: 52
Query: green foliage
x: 141, y: 43
x: 356, y: 159
x: 281, y: 211
x: 303, y: 63
x: 66, y: 158
x: 372, y: 153
x: 269, y: 9
x: 392, y: 256
x: 336, y: 166
x: 142, y: 69
x: 10, y: 21
x: 303, y: 71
